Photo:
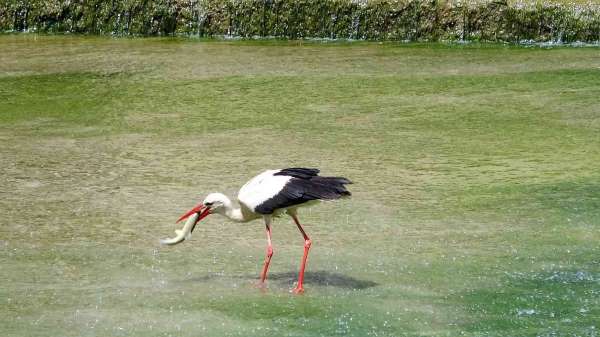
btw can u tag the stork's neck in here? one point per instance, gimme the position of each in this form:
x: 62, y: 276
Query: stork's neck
x: 232, y: 212
x: 235, y: 214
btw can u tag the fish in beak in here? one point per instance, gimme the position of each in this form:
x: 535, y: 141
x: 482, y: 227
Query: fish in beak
x: 202, y: 210
x: 194, y: 216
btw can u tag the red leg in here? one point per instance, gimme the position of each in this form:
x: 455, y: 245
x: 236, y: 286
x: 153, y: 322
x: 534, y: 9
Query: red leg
x: 263, y: 274
x: 299, y: 287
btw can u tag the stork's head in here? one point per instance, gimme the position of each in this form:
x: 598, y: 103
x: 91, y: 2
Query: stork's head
x: 213, y: 203
x: 216, y: 202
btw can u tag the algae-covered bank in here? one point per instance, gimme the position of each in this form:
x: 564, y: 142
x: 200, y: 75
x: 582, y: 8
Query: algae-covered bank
x: 476, y: 195
x: 562, y: 21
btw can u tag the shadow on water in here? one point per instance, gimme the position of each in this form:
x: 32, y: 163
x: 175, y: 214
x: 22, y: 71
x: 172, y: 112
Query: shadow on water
x: 320, y: 277
x: 324, y: 278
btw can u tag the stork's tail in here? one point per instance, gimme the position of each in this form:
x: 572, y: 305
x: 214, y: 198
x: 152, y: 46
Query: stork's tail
x: 329, y: 188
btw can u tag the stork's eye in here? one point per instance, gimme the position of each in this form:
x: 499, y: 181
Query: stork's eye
x: 208, y: 204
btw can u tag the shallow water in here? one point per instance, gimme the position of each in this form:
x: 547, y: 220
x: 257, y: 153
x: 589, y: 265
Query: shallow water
x: 475, y: 205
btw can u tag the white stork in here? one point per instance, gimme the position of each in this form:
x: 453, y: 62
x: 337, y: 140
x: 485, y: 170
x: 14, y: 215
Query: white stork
x: 269, y: 194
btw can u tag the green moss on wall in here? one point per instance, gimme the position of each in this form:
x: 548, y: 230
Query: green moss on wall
x: 415, y: 20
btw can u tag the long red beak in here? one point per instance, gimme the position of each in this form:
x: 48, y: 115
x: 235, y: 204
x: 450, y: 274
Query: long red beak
x: 200, y: 209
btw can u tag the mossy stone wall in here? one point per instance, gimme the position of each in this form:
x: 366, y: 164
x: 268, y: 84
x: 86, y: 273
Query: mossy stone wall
x: 416, y: 20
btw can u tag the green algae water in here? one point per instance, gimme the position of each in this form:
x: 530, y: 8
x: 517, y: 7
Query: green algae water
x: 475, y: 207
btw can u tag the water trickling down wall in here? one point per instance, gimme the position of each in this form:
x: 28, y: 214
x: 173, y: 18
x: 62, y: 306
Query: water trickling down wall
x: 416, y: 20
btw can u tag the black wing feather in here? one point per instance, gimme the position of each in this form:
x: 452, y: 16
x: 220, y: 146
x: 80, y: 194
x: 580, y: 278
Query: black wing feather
x: 304, y: 186
x: 298, y: 172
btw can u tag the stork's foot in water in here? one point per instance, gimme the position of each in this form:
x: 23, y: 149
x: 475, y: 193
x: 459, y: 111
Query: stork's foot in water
x: 298, y: 290
x: 262, y: 286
